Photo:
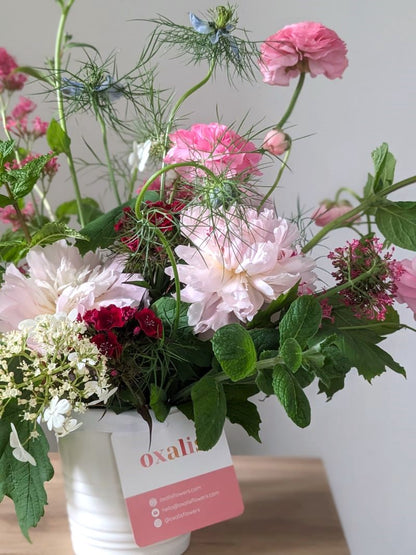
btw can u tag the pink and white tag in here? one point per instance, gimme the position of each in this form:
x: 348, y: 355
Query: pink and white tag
x: 170, y: 487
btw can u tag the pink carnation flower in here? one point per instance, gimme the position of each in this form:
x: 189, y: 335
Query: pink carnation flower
x: 406, y: 284
x: 232, y: 272
x: 329, y: 211
x: 59, y: 280
x: 302, y: 47
x: 8, y: 79
x: 217, y: 147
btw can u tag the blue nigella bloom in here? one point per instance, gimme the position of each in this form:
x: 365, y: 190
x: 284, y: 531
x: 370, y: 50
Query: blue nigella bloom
x: 215, y: 32
x: 75, y: 89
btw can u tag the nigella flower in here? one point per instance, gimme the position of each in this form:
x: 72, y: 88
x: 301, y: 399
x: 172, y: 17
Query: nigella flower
x: 108, y: 87
x: 216, y: 29
x: 19, y: 452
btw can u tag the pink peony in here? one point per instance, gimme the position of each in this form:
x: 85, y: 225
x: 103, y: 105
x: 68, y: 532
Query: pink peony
x: 232, y: 272
x: 59, y: 279
x: 217, y: 147
x: 406, y: 284
x: 9, y: 80
x: 302, y: 47
x: 328, y: 211
x: 276, y: 142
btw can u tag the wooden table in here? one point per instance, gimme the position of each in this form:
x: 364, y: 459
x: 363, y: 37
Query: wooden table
x: 288, y: 511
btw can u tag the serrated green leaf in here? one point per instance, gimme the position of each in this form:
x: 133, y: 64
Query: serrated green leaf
x: 22, y: 180
x: 57, y: 139
x: 264, y: 381
x: 265, y: 339
x: 52, y: 232
x: 384, y: 164
x: 235, y: 351
x: 21, y: 481
x: 292, y: 396
x: 397, y: 222
x: 245, y: 414
x: 301, y: 321
x: 165, y: 309
x: 6, y: 150
x: 209, y: 406
x: 291, y: 353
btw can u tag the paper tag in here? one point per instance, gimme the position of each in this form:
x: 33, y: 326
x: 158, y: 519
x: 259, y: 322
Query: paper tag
x: 171, y: 488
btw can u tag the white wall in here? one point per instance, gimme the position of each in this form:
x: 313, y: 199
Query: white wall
x: 366, y: 436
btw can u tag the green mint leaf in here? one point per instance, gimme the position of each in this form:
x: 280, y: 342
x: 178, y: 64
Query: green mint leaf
x: 384, y: 165
x: 209, y: 404
x: 235, y: 351
x: 301, y: 321
x: 158, y: 402
x: 291, y: 353
x: 245, y: 414
x: 397, y: 222
x: 54, y: 231
x: 292, y: 396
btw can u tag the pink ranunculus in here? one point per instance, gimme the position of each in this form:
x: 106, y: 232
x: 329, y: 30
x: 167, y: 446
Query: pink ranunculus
x: 59, y: 279
x: 406, y: 284
x: 276, y: 142
x: 237, y: 265
x: 215, y: 146
x: 328, y: 211
x: 9, y: 80
x: 302, y: 47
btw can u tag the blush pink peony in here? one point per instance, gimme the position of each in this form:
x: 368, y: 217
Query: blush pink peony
x: 232, y: 272
x: 302, y: 47
x: 60, y: 280
x: 406, y: 284
x: 216, y: 146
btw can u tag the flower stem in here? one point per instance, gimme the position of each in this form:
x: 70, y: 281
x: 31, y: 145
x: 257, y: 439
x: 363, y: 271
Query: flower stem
x: 276, y: 182
x: 110, y: 168
x: 292, y: 102
x: 172, y: 116
x: 65, y: 8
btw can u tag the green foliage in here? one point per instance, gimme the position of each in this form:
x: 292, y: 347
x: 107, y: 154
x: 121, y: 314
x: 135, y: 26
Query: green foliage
x: 301, y: 321
x: 397, y: 222
x: 54, y: 231
x: 263, y: 317
x: 240, y: 410
x: 209, y: 408
x: 90, y: 209
x: 235, y: 351
x: 57, y: 139
x: 291, y: 395
x: 21, y: 481
x: 158, y: 402
x: 22, y: 180
x: 384, y: 166
x: 291, y: 353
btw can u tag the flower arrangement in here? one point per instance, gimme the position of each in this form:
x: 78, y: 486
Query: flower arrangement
x: 192, y: 291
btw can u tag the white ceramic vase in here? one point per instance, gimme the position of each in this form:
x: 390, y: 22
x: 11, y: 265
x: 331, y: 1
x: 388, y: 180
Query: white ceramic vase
x: 97, y: 513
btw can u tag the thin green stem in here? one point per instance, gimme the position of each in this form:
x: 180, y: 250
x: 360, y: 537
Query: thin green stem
x: 172, y: 116
x: 349, y: 191
x: 65, y: 8
x: 276, y: 182
x: 292, y: 102
x: 110, y: 168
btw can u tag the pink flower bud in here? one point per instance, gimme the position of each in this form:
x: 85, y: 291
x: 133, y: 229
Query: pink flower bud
x: 276, y: 142
x: 328, y: 211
